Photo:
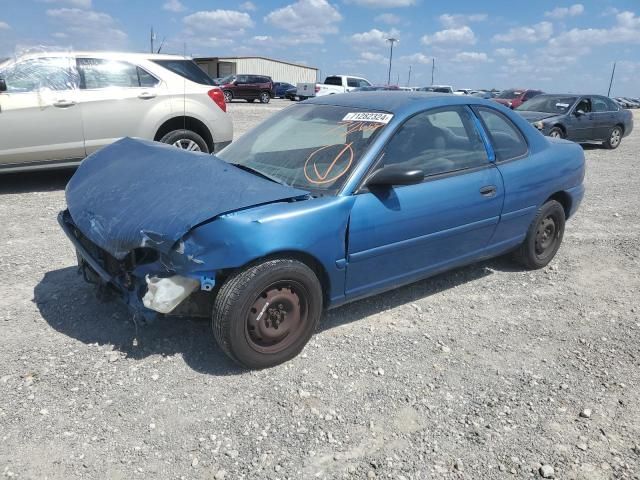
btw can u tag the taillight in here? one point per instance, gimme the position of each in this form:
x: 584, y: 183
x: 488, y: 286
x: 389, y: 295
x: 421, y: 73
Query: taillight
x: 317, y: 88
x: 217, y: 96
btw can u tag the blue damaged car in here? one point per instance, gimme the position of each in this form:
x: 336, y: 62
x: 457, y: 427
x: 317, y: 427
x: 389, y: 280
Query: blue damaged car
x: 326, y: 202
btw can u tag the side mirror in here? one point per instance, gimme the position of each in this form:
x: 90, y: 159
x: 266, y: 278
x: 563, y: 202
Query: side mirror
x: 579, y: 113
x: 395, y: 175
x: 3, y: 85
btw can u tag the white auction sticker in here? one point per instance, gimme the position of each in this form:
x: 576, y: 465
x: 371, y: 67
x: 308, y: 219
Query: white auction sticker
x: 368, y: 117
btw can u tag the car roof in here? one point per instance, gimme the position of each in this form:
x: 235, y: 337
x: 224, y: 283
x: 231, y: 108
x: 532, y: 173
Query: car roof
x: 400, y: 102
x: 103, y: 54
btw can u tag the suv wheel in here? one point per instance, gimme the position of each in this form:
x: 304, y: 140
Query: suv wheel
x: 186, y: 140
x: 228, y: 96
x: 265, y: 97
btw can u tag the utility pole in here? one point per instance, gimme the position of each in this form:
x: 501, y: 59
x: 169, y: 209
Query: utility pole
x: 613, y: 72
x: 433, y: 67
x: 152, y: 38
x: 409, y: 78
x: 391, y: 40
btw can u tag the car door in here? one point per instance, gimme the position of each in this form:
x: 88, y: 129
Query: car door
x: 242, y: 87
x: 115, y: 98
x: 581, y: 121
x: 403, y: 233
x: 39, y: 116
x: 604, y: 118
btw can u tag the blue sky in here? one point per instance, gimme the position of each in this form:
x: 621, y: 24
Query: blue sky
x: 548, y: 44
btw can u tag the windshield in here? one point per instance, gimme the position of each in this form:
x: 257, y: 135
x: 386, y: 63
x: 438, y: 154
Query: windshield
x: 510, y: 94
x: 311, y: 147
x: 556, y: 104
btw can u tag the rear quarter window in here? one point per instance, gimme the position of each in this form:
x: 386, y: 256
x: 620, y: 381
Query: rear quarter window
x: 507, y: 139
x: 187, y: 69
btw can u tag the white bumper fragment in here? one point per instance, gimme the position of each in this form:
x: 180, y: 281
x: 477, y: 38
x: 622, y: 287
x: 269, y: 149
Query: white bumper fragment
x: 165, y: 294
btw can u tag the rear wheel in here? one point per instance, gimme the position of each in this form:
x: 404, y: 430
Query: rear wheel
x: 186, y: 140
x: 265, y: 97
x: 556, y: 132
x: 615, y: 137
x: 543, y: 237
x: 265, y: 314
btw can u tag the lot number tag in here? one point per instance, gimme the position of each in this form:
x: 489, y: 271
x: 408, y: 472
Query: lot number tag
x: 368, y: 117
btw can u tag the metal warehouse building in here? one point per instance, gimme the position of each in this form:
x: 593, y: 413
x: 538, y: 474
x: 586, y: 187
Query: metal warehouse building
x: 278, y: 70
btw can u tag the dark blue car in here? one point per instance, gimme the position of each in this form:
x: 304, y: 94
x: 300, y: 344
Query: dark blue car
x: 281, y: 88
x: 581, y: 118
x: 374, y: 191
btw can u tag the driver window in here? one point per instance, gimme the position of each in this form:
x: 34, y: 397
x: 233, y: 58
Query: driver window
x: 584, y: 105
x: 436, y: 142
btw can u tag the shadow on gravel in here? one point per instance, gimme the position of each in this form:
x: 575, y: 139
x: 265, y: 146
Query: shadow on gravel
x: 48, y: 181
x: 69, y: 305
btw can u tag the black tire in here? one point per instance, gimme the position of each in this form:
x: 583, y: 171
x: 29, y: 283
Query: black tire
x: 615, y: 138
x: 543, y: 237
x: 248, y: 332
x: 265, y: 97
x: 228, y: 96
x: 556, y: 132
x: 250, y: 100
x: 186, y: 140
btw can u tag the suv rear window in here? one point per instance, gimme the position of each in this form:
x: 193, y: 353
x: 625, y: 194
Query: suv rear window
x: 187, y: 69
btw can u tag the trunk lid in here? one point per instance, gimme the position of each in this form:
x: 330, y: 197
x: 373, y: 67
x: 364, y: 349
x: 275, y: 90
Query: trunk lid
x: 136, y: 193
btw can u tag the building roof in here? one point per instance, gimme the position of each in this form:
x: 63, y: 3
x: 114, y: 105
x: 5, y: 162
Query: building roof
x: 223, y: 59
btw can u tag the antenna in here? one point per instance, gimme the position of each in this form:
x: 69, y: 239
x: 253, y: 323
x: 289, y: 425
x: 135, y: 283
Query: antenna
x: 613, y: 72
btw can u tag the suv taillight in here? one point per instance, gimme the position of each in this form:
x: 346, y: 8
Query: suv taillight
x: 217, y: 96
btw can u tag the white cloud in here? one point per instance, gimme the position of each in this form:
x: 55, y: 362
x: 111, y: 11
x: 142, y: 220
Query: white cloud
x: 308, y: 19
x: 229, y: 21
x: 416, y: 58
x: 505, y: 52
x: 383, y: 3
x: 73, y: 3
x: 559, y: 13
x: 173, y: 6
x: 261, y: 38
x: 370, y: 57
x: 451, y: 36
x: 248, y: 6
x: 373, y: 38
x: 467, y: 57
x: 4, y: 26
x: 529, y: 34
x: 388, y: 18
x: 89, y: 29
x: 451, y: 21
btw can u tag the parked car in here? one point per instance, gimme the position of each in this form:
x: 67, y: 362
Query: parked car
x: 484, y: 94
x: 248, y: 87
x: 332, y: 84
x: 581, y: 118
x: 632, y: 103
x: 272, y: 232
x: 622, y: 103
x: 437, y: 89
x: 291, y: 94
x: 280, y: 88
x: 463, y: 91
x: 376, y: 88
x: 513, y: 98
x: 57, y: 108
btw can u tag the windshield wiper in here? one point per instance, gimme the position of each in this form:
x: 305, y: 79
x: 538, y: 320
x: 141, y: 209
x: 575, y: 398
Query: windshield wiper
x: 259, y: 173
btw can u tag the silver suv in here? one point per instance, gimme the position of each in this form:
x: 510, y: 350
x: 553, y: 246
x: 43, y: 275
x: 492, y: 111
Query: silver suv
x: 57, y: 108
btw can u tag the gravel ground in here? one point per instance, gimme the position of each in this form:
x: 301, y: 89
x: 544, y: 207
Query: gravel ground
x: 481, y: 373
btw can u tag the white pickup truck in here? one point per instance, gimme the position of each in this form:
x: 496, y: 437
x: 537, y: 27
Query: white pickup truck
x: 332, y: 84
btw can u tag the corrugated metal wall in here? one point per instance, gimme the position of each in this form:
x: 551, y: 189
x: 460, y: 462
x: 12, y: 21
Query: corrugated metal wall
x: 278, y: 71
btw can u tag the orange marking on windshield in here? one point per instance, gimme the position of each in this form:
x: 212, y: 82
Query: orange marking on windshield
x: 325, y: 177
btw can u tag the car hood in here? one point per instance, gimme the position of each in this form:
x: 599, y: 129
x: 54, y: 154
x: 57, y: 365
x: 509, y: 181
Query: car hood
x: 136, y: 193
x: 535, y: 116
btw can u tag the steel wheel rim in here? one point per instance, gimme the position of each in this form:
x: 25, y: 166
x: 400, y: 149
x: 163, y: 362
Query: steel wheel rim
x: 546, y: 236
x: 615, y: 137
x: 277, y: 317
x: 187, y: 144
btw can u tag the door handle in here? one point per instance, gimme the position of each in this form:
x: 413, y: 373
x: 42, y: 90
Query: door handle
x: 64, y: 103
x: 488, y: 191
x: 147, y: 95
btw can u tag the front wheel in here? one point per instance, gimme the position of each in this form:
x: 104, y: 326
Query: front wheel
x: 186, y: 140
x: 265, y: 97
x: 615, y: 137
x: 265, y: 314
x: 543, y: 237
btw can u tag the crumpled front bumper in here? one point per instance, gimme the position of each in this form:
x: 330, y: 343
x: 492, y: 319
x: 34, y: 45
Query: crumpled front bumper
x: 145, y: 294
